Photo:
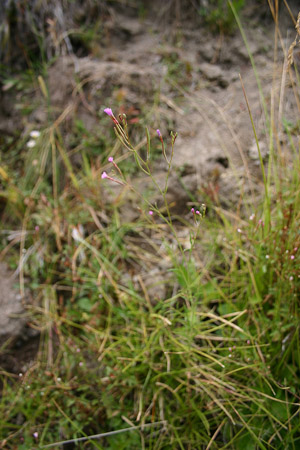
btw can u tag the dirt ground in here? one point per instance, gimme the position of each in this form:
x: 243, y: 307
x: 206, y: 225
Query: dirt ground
x: 193, y: 77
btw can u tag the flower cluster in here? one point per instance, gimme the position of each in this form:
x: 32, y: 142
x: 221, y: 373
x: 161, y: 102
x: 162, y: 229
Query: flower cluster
x: 34, y: 134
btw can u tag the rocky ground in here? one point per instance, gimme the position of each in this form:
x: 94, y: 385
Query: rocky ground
x: 184, y: 78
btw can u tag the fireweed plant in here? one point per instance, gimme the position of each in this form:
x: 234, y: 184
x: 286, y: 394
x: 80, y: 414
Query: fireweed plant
x: 121, y: 131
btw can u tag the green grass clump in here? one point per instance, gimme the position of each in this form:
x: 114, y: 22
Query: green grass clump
x: 219, y: 16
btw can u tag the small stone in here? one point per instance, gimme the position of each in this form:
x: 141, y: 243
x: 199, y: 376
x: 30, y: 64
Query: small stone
x: 211, y: 71
x: 11, y: 322
x: 214, y: 73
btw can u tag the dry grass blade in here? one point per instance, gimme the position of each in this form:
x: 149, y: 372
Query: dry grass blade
x: 102, y: 435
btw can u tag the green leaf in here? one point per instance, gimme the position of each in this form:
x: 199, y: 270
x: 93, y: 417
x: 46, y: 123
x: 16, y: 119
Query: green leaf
x: 85, y: 304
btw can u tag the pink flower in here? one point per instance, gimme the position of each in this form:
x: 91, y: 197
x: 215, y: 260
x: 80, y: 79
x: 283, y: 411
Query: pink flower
x: 293, y: 257
x: 109, y: 112
x: 35, y: 434
x: 158, y: 133
x: 104, y: 175
x: 110, y: 159
x: 193, y: 210
x: 150, y: 213
x: 198, y: 212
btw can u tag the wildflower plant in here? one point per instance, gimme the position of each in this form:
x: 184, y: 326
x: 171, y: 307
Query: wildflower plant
x: 182, y: 262
x: 121, y: 131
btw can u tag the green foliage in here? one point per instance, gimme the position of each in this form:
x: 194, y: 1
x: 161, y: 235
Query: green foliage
x: 219, y: 16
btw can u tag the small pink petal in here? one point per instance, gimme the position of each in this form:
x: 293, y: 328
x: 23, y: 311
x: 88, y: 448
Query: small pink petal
x: 110, y: 159
x: 109, y: 112
x: 35, y: 434
x: 158, y: 133
x: 150, y: 213
x: 104, y: 175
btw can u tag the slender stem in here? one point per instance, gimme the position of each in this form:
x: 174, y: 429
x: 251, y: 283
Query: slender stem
x: 259, y: 154
x: 101, y: 435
